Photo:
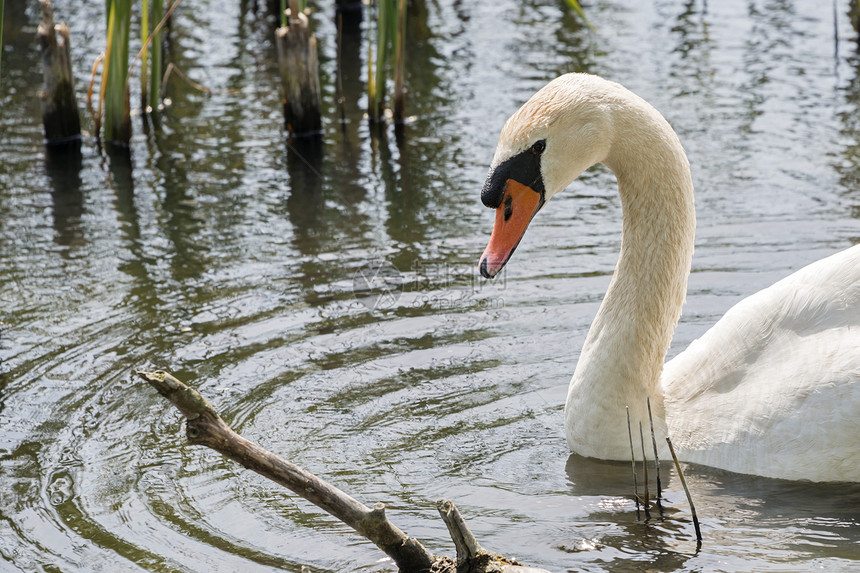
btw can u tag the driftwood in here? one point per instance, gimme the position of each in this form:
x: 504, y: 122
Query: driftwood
x: 299, y: 70
x: 205, y: 427
x: 59, y: 108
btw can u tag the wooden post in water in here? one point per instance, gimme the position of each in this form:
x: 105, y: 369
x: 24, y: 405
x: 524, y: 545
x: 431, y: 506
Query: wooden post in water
x: 299, y: 68
x: 59, y: 108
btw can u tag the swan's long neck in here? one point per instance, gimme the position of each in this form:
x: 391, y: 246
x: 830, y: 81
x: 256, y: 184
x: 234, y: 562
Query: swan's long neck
x: 622, y: 358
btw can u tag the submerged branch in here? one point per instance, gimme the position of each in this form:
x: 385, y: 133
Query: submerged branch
x: 205, y: 427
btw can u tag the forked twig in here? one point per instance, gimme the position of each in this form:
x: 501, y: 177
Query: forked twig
x: 464, y: 541
x: 205, y: 427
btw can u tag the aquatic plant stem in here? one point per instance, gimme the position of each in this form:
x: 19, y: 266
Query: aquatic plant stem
x: 340, y: 97
x: 154, y: 38
x: 656, y: 456
x: 2, y: 9
x: 399, y: 96
x: 633, y: 463
x: 117, y: 122
x: 645, y: 501
x: 161, y: 24
x: 686, y: 491
x: 377, y: 101
x: 144, y: 51
x: 157, y: 63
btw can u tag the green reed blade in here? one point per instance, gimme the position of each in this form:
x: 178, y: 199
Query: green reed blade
x: 157, y: 61
x: 574, y: 5
x: 117, y: 118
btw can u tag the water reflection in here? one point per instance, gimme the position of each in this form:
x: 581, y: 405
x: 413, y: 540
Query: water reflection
x: 63, y: 165
x: 306, y: 202
x: 848, y: 165
x: 693, y: 71
x: 222, y: 252
x: 824, y: 515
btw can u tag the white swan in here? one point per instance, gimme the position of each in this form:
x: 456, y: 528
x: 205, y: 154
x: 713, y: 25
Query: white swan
x: 773, y: 389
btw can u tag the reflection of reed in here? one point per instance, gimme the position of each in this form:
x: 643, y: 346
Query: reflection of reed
x: 305, y: 203
x: 63, y: 166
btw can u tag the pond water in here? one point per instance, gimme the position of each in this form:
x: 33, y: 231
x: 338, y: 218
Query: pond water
x: 331, y: 307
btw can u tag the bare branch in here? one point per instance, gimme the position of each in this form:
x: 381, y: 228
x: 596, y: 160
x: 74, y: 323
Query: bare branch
x: 206, y: 428
x: 465, y: 543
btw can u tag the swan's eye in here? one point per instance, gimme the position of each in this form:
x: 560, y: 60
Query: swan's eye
x: 538, y: 147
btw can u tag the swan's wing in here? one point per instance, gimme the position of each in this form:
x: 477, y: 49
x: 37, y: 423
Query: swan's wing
x: 774, y: 387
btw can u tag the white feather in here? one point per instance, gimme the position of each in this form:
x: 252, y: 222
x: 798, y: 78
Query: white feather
x: 773, y: 389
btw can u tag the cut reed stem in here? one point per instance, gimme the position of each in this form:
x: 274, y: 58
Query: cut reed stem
x: 59, y: 106
x: 299, y: 70
x: 575, y: 6
x: 377, y: 102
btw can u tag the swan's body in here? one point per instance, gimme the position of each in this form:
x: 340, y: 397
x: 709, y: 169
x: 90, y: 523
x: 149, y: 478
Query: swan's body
x: 773, y: 389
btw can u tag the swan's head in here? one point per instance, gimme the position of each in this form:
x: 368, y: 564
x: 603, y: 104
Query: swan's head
x: 564, y: 129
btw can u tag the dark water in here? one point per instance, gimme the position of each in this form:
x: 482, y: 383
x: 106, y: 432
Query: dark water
x: 254, y: 274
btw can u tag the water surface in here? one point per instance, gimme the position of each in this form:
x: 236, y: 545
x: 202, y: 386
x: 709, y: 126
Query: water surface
x: 240, y: 263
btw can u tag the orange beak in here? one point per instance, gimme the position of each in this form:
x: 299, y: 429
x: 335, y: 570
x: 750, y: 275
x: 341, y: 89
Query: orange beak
x: 519, y: 205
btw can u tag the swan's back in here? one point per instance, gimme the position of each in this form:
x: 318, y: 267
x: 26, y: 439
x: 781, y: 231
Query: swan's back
x: 773, y: 388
